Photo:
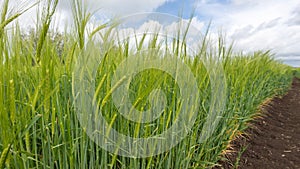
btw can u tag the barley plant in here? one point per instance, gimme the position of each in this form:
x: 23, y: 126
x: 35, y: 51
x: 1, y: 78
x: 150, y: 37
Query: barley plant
x: 39, y: 126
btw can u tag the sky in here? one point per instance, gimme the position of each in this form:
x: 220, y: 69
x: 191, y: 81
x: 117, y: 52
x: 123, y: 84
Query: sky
x: 251, y: 24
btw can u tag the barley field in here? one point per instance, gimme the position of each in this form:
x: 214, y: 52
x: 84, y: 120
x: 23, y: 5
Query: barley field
x: 39, y: 122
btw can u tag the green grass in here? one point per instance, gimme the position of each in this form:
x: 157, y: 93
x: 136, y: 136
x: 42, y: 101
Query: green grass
x: 39, y: 127
x: 297, y: 72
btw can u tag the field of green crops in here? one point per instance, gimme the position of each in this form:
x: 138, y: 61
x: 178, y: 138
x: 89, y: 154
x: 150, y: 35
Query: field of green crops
x: 39, y: 126
x: 297, y: 72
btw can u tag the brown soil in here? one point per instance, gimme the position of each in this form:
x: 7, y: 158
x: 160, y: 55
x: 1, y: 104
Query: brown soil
x: 274, y: 140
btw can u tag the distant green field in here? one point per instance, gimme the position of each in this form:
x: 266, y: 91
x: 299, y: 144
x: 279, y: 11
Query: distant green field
x: 297, y: 72
x: 39, y: 126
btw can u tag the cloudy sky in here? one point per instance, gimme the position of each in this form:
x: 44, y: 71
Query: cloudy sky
x: 251, y: 24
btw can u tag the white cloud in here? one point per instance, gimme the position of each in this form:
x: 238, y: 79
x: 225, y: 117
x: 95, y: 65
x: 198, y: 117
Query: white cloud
x: 104, y: 9
x: 29, y: 18
x: 256, y: 24
x: 252, y: 24
x: 163, y: 29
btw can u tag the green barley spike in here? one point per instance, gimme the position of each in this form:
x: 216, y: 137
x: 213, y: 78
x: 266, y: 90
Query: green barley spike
x: 27, y: 141
x: 53, y: 121
x: 12, y: 104
x: 47, y: 91
x: 4, y: 157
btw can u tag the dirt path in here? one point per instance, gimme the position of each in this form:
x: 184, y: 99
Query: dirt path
x: 274, y: 141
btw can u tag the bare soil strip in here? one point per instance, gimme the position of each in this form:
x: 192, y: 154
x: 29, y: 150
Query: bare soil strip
x: 274, y: 140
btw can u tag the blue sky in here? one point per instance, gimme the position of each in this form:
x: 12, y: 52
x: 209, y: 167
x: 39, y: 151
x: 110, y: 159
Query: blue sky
x: 182, y: 8
x: 251, y: 24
